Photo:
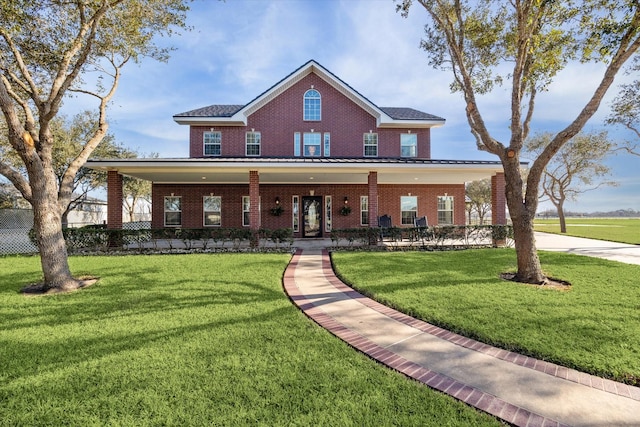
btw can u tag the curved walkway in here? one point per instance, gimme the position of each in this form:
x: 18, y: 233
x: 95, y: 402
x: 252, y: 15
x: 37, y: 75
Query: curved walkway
x: 518, y: 389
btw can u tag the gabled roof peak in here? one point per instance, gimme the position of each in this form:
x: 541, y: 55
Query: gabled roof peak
x: 237, y: 114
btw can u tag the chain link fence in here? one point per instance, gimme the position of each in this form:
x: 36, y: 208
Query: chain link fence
x: 15, y: 225
x: 14, y: 231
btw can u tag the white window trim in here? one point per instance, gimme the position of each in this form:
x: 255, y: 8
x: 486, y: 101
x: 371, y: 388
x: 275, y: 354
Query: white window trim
x: 296, y: 144
x: 304, y: 106
x: 319, y: 144
x: 204, y: 212
x: 259, y: 143
x: 415, y: 137
x: 204, y: 143
x: 401, y: 210
x: 365, y: 145
x: 327, y: 213
x: 452, y: 210
x: 248, y: 198
x: 364, y: 200
x: 295, y: 218
x: 164, y: 207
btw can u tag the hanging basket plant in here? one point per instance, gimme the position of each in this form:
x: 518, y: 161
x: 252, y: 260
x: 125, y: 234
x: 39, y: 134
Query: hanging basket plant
x: 345, y: 210
x: 277, y: 210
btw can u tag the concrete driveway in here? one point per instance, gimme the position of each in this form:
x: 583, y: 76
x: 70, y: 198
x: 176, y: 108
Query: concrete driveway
x: 621, y: 252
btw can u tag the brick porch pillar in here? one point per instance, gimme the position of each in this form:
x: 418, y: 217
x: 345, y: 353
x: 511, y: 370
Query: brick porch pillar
x: 373, y: 204
x: 114, y: 200
x: 498, y: 200
x: 254, y: 200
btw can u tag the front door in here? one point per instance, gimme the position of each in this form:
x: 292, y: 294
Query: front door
x: 312, y: 214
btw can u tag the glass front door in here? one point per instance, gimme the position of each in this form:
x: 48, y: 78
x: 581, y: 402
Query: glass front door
x: 312, y: 213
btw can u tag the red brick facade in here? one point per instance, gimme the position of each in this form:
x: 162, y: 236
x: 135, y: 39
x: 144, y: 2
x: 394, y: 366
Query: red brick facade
x: 114, y: 196
x: 388, y: 202
x: 277, y: 121
x: 345, y: 116
x: 498, y: 199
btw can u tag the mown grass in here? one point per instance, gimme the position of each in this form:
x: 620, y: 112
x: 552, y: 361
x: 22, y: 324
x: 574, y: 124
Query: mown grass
x: 190, y: 340
x: 594, y: 327
x: 623, y: 230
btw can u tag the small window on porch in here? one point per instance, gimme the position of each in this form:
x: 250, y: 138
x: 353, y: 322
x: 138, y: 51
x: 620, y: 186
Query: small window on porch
x: 172, y: 211
x: 327, y: 213
x: 409, y: 209
x: 212, y: 207
x: 295, y: 218
x: 445, y: 210
x: 246, y: 211
x: 364, y: 210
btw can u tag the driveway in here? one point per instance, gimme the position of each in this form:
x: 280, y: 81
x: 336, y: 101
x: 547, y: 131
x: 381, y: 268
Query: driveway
x: 621, y: 252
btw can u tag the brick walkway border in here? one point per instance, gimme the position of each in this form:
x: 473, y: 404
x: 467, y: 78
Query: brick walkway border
x: 472, y: 396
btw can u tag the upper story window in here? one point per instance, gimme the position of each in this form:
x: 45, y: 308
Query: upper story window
x: 212, y: 143
x: 253, y: 143
x: 327, y: 144
x: 409, y: 145
x: 312, y: 105
x: 312, y: 145
x: 371, y: 145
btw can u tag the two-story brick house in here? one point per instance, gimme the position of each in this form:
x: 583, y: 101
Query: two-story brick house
x: 310, y: 153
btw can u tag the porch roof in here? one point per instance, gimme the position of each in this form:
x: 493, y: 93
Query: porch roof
x: 300, y: 170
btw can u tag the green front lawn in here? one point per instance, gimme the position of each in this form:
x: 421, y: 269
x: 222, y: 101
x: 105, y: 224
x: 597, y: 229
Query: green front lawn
x: 186, y: 340
x: 624, y: 230
x: 594, y: 327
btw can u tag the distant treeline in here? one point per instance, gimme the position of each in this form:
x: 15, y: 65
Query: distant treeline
x: 620, y: 213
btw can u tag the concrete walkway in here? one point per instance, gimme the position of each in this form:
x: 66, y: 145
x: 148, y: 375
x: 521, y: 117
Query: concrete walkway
x: 518, y: 389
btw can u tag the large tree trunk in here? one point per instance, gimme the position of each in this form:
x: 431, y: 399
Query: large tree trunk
x: 47, y: 224
x: 522, y: 214
x: 529, y: 268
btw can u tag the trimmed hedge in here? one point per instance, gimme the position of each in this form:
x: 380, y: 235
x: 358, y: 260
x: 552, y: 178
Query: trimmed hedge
x: 456, y: 236
x: 101, y: 239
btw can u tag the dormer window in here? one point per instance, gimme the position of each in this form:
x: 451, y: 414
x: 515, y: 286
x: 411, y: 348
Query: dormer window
x: 312, y: 105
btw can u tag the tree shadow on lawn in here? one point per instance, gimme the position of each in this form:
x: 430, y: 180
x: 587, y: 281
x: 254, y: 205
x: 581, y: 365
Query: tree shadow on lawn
x: 70, y: 343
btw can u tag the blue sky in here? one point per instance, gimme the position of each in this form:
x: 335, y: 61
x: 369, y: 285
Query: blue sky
x: 239, y: 48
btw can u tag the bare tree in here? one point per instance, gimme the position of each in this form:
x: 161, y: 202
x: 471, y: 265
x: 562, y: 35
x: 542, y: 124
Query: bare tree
x: 46, y: 50
x: 575, y: 169
x: 625, y: 111
x: 479, y: 194
x: 526, y: 43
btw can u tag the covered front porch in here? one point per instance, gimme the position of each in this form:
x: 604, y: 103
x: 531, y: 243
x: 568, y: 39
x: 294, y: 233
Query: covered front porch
x: 260, y: 193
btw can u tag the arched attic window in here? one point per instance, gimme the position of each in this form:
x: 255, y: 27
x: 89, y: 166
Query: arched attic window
x: 312, y: 105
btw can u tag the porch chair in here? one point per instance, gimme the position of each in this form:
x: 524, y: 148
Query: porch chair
x: 421, y: 222
x: 421, y: 228
x: 384, y: 222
